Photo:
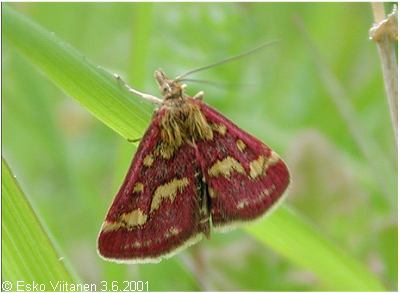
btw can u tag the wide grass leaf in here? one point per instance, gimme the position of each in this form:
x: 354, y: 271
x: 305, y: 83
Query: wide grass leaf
x: 96, y: 89
x: 28, y: 253
x: 292, y: 236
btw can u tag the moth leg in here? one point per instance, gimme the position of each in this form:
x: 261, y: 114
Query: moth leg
x: 144, y: 96
x: 133, y: 140
x: 199, y: 96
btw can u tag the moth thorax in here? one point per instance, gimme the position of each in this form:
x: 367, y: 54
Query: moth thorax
x: 183, y: 123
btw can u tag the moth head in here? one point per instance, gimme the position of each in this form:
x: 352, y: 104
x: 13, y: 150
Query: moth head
x: 170, y: 89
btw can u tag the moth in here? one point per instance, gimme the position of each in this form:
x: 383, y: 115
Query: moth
x: 194, y: 170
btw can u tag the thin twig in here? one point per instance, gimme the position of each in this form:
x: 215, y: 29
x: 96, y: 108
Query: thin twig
x: 199, y: 267
x: 384, y: 32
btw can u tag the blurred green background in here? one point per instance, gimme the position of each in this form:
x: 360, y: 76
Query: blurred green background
x: 316, y: 97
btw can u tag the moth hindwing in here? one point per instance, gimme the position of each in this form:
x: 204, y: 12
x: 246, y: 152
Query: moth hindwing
x: 193, y: 170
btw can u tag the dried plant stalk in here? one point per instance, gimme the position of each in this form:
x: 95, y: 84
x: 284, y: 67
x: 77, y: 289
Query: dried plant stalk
x: 384, y: 33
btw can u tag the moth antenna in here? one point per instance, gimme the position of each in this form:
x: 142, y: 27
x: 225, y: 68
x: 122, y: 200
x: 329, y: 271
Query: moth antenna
x: 262, y: 46
x: 215, y: 84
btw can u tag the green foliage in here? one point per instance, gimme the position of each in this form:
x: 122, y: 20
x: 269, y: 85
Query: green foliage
x: 78, y: 77
x: 28, y: 254
x: 291, y: 236
x: 279, y: 96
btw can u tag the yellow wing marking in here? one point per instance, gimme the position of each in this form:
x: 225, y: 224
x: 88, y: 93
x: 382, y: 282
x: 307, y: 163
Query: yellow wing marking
x: 148, y: 160
x: 265, y: 193
x: 260, y: 166
x: 169, y: 191
x: 225, y: 167
x: 220, y: 128
x: 126, y: 220
x: 138, y: 187
x: 240, y: 145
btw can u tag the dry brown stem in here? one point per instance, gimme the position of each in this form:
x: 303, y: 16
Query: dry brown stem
x: 384, y: 33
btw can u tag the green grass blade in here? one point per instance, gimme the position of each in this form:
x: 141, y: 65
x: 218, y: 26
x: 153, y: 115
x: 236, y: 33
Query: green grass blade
x: 96, y: 89
x: 286, y: 232
x: 28, y: 254
x: 290, y: 235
